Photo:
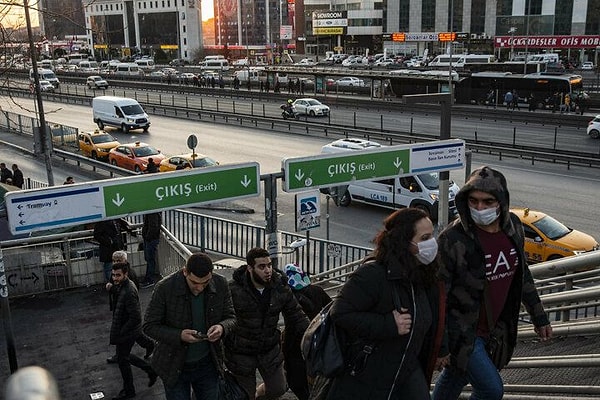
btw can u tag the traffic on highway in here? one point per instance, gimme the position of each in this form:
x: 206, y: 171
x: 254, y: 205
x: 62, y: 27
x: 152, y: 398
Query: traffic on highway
x: 349, y: 224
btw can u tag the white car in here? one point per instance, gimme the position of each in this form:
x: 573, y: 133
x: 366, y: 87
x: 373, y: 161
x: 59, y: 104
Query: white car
x: 593, y: 129
x: 587, y: 66
x: 306, y: 62
x: 96, y: 82
x: 350, y: 81
x: 310, y: 107
x: 46, y: 86
x: 349, y: 144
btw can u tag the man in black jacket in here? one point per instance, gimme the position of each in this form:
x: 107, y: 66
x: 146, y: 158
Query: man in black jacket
x: 125, y: 328
x: 190, y: 311
x: 259, y: 296
x: 108, y: 234
x: 151, y: 236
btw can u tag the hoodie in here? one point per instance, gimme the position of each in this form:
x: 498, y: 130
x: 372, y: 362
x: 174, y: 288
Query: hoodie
x: 463, y: 271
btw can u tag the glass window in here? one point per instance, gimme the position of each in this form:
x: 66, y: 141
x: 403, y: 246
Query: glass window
x: 478, y: 16
x: 562, y: 18
x: 504, y: 7
x: 428, y: 15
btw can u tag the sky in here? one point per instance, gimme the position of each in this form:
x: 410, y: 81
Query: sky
x: 207, y: 9
x: 15, y: 16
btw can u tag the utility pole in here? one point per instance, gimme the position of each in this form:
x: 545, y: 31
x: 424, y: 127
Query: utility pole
x: 45, y: 142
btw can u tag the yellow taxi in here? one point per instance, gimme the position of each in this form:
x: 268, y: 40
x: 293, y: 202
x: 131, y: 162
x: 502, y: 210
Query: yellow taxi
x: 134, y: 156
x: 548, y: 239
x: 96, y: 144
x: 186, y: 161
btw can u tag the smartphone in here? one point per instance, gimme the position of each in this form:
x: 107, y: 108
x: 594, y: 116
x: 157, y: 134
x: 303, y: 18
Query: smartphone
x: 200, y: 335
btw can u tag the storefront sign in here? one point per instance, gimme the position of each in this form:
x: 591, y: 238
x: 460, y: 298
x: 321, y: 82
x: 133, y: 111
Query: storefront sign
x: 545, y: 42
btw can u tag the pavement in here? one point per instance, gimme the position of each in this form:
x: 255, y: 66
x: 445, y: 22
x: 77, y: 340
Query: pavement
x: 67, y: 333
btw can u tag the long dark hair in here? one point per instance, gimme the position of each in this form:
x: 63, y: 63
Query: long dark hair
x: 392, y: 246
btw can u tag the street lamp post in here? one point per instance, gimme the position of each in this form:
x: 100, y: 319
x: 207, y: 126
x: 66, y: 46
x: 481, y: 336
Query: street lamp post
x: 512, y: 31
x: 527, y: 34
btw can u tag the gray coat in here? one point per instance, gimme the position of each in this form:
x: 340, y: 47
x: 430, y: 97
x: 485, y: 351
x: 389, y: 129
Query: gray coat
x: 169, y: 312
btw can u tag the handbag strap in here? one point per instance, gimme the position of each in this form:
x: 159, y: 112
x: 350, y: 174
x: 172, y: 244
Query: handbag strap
x: 487, y: 305
x: 218, y: 365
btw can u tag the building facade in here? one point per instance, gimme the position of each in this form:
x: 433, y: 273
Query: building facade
x: 121, y: 28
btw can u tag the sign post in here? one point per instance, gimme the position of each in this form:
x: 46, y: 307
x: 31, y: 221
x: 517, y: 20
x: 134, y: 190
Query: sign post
x: 53, y: 207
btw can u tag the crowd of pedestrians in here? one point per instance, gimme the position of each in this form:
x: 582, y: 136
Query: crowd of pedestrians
x: 415, y: 305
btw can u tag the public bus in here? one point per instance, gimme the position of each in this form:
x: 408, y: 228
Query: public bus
x: 475, y: 89
x: 76, y: 58
x: 461, y: 60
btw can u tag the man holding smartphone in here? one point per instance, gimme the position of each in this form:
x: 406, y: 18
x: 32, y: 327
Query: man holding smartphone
x: 189, y: 313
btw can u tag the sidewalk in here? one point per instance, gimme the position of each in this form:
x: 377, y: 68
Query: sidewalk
x: 67, y: 333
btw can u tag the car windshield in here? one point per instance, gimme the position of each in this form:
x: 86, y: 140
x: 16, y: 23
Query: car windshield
x: 204, y: 162
x: 144, y: 151
x: 132, y: 109
x: 102, y: 138
x: 552, y: 228
x: 314, y: 102
x: 430, y: 180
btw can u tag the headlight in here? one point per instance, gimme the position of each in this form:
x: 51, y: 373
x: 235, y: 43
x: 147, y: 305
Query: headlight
x: 130, y: 120
x: 434, y: 196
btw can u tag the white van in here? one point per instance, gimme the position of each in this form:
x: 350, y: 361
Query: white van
x: 130, y: 69
x: 215, y: 65
x: 45, y: 64
x: 253, y: 73
x: 419, y: 191
x: 122, y: 112
x: 89, y: 66
x: 145, y: 64
x: 45, y: 75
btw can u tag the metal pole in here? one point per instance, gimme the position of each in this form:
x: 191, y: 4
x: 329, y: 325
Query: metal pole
x: 526, y: 34
x: 272, y: 239
x: 6, y: 320
x: 45, y: 141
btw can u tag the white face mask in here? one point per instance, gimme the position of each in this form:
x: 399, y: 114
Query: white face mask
x: 484, y: 217
x: 428, y: 250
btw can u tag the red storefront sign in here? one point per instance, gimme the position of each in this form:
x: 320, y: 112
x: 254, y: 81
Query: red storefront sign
x: 546, y: 42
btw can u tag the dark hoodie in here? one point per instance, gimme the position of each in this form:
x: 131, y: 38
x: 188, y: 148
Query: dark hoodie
x: 463, y: 271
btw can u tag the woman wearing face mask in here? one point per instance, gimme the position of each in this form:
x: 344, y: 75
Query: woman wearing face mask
x: 389, y: 314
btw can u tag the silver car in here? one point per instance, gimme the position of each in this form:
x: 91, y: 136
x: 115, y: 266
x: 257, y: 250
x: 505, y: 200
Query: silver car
x: 309, y: 106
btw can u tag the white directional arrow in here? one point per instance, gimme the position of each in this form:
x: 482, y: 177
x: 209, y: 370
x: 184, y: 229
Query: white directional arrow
x: 118, y: 201
x: 246, y: 181
x: 299, y: 175
x: 398, y: 162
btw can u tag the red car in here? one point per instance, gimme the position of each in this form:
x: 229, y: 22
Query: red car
x: 134, y: 156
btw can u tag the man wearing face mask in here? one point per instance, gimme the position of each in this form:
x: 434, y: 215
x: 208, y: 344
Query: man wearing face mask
x: 388, y: 311
x: 487, y: 279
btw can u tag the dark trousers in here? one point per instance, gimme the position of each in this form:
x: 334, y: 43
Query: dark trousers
x: 126, y: 360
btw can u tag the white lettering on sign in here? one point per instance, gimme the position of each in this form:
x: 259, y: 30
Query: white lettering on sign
x: 329, y: 15
x: 208, y: 187
x: 367, y: 167
x: 344, y: 168
x: 181, y: 189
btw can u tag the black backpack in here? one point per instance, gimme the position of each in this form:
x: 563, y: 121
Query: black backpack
x: 321, y: 346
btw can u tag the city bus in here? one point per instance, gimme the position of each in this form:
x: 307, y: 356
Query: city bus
x: 475, y: 88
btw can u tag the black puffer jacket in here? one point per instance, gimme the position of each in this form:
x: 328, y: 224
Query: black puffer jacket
x: 256, y: 333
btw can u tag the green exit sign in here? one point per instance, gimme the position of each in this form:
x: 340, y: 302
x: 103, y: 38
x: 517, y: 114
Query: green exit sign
x: 181, y: 189
x: 304, y: 173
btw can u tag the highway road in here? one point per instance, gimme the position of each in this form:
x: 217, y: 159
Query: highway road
x: 569, y: 195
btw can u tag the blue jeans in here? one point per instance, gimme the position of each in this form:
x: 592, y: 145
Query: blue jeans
x: 202, y: 377
x: 150, y: 250
x: 481, y: 374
